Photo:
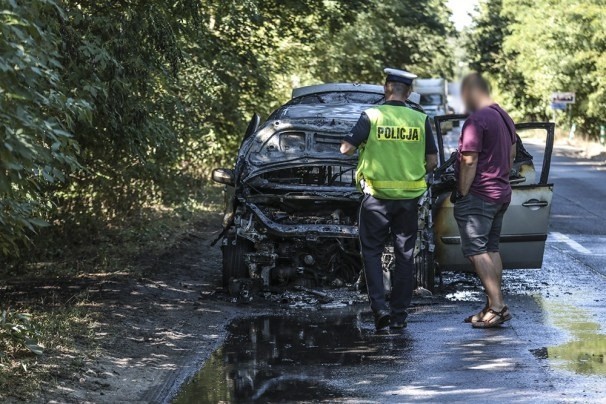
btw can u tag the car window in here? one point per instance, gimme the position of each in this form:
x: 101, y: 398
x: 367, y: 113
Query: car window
x: 530, y: 154
x: 349, y: 97
x: 431, y: 99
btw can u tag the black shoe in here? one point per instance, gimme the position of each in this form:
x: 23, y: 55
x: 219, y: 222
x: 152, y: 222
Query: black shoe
x: 398, y: 325
x: 382, y: 319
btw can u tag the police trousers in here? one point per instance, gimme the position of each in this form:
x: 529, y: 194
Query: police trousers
x: 380, y: 218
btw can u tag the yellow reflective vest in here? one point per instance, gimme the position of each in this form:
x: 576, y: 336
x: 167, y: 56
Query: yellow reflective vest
x: 391, y: 163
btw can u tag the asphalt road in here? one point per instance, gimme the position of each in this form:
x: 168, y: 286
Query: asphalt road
x: 553, y: 351
x: 579, y: 209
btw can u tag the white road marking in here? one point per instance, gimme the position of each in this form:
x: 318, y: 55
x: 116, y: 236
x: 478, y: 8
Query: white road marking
x: 561, y: 238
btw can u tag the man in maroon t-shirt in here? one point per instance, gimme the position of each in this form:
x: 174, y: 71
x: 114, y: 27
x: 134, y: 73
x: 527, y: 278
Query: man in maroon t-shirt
x: 487, y: 148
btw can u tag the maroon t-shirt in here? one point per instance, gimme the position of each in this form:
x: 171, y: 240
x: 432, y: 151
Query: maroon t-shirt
x: 490, y: 132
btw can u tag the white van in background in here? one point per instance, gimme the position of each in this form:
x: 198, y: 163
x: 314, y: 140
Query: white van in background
x: 434, y: 96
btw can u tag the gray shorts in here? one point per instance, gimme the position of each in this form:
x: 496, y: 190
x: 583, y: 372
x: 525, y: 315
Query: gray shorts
x: 480, y: 224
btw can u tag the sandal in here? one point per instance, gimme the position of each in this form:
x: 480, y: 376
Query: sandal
x: 474, y: 318
x: 498, y: 318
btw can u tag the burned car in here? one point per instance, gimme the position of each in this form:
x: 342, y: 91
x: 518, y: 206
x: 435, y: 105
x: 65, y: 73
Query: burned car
x: 292, y: 204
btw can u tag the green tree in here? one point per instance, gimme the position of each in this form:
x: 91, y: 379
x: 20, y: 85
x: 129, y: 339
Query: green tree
x: 484, y: 42
x: 112, y: 107
x: 406, y: 34
x: 37, y: 114
x: 560, y: 46
x: 533, y: 48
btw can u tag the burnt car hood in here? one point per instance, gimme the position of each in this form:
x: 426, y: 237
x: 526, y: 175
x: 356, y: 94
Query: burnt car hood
x: 301, y: 134
x: 315, y: 111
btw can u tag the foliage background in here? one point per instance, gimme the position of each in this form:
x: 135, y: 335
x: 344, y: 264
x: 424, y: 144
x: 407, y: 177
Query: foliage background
x: 533, y: 48
x: 111, y: 108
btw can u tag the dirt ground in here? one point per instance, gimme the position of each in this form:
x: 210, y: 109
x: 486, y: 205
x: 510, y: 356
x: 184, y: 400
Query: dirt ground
x: 152, y: 332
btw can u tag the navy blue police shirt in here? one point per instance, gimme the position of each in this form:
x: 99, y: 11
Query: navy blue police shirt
x: 360, y: 132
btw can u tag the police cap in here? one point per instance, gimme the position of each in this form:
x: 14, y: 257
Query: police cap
x: 399, y: 76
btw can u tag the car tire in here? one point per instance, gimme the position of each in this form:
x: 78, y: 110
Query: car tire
x: 425, y: 270
x: 234, y: 249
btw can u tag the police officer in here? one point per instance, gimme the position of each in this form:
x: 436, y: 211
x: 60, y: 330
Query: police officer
x: 396, y: 150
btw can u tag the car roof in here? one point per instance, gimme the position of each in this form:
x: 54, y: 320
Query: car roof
x: 337, y: 87
x: 347, y: 87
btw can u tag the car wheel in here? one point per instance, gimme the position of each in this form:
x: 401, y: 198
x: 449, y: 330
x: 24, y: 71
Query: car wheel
x: 425, y: 270
x: 234, y: 249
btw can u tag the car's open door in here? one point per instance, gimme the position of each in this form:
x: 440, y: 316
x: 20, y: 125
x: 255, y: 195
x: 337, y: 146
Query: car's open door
x: 526, y: 222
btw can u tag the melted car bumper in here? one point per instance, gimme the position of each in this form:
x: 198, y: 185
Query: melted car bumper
x: 309, y: 231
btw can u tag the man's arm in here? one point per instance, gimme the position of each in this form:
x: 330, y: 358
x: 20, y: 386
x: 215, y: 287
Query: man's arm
x: 347, y: 148
x: 512, y: 155
x: 468, y: 168
x: 472, y: 137
x: 358, y: 135
x: 431, y: 162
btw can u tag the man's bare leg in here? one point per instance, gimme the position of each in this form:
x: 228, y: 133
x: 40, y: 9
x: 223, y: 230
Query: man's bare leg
x: 498, y: 266
x: 490, y: 273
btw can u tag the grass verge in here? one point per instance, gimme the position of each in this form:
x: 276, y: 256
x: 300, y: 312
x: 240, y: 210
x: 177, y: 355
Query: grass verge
x: 46, y: 293
x: 67, y: 338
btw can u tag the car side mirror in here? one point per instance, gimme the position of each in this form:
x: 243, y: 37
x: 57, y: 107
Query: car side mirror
x: 224, y: 176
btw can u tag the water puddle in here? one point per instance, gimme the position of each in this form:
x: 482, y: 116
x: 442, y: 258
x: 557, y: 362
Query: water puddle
x: 586, y: 352
x: 298, y: 357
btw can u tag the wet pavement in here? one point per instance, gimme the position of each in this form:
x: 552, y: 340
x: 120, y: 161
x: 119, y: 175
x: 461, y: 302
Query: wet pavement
x: 553, y: 351
x: 307, y: 356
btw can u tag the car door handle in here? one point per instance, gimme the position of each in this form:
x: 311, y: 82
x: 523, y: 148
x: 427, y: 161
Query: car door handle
x: 535, y: 203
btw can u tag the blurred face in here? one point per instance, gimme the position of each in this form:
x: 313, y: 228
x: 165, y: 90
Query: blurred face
x: 469, y: 97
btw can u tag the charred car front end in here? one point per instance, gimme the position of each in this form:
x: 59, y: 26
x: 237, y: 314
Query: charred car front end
x: 292, y: 217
